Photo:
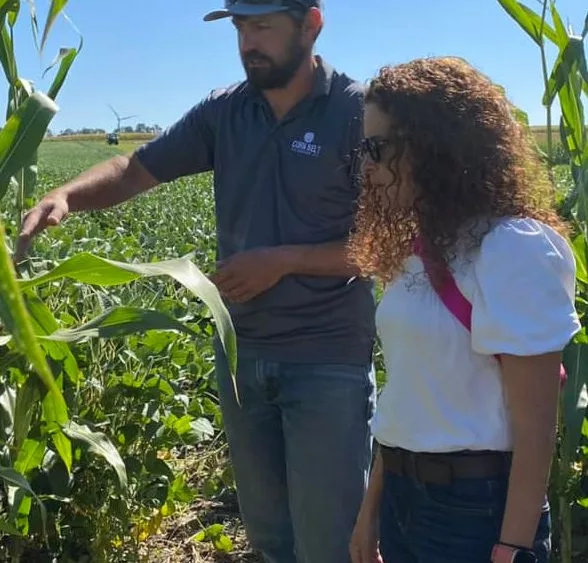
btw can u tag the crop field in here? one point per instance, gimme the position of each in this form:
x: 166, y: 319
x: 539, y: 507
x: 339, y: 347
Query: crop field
x: 152, y: 395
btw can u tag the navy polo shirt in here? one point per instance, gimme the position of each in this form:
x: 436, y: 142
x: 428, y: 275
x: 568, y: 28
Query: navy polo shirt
x: 281, y: 183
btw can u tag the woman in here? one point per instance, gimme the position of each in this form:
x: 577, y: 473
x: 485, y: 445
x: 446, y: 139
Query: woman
x: 455, y: 201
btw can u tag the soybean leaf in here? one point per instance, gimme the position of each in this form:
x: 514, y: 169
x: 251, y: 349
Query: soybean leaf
x: 100, y: 445
x: 30, y: 456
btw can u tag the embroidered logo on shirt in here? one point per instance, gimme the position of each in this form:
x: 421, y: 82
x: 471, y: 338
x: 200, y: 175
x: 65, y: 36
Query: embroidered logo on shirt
x: 307, y: 146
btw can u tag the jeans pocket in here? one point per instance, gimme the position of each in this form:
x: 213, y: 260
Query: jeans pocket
x: 468, y: 497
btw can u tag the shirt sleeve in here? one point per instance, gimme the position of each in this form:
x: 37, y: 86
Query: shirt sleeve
x: 184, y: 148
x: 523, y: 302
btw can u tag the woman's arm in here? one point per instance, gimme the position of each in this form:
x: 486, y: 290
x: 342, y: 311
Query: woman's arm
x: 532, y: 389
x: 364, y: 541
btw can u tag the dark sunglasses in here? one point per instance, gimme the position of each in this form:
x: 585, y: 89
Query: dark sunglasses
x: 371, y: 146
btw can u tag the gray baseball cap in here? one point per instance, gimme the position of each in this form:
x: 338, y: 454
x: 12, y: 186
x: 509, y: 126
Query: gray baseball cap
x: 260, y: 8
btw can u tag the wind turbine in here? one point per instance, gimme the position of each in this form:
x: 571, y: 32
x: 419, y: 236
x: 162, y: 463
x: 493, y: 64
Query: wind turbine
x: 119, y: 119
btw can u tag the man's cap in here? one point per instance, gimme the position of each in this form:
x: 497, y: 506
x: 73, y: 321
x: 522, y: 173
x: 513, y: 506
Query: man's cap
x: 260, y: 8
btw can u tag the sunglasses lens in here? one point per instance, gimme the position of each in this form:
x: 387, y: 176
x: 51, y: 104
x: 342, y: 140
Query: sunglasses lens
x: 370, y: 148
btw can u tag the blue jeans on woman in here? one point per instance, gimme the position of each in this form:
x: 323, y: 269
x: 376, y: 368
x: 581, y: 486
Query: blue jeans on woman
x: 454, y: 523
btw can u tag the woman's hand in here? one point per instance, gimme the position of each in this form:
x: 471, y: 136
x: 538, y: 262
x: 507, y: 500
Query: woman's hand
x: 364, y: 540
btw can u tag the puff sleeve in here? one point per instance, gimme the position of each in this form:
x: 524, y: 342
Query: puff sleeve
x: 523, y: 302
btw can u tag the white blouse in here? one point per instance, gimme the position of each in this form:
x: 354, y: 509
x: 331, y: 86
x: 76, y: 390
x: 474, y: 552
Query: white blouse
x: 444, y: 390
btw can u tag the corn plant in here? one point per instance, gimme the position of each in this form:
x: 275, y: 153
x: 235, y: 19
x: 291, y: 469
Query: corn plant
x: 45, y: 433
x: 567, y: 81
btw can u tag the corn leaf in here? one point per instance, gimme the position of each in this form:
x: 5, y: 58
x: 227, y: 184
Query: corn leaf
x: 15, y: 479
x: 100, y: 445
x: 55, y: 9
x: 117, y: 322
x: 521, y: 16
x: 90, y: 269
x: 580, y: 254
x: 548, y: 31
x: 7, y: 57
x: 34, y: 22
x: 575, y: 397
x: 44, y: 324
x: 13, y: 14
x: 65, y: 59
x: 563, y: 68
x: 560, y: 28
x: 22, y: 134
x: 17, y: 322
x: 27, y: 397
x: 585, y: 30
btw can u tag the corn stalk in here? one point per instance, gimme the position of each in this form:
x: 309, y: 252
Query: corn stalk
x: 568, y: 83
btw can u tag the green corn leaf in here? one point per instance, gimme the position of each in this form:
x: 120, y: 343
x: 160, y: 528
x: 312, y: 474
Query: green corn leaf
x: 55, y: 9
x: 522, y: 17
x: 7, y: 57
x: 585, y: 30
x: 575, y: 397
x: 120, y: 321
x: 13, y: 14
x: 27, y: 398
x: 560, y: 28
x: 22, y: 134
x: 17, y: 322
x: 34, y: 23
x: 548, y: 31
x: 44, y: 324
x: 13, y: 478
x: 65, y: 59
x: 563, y: 68
x: 580, y: 254
x: 90, y: 269
x: 100, y: 445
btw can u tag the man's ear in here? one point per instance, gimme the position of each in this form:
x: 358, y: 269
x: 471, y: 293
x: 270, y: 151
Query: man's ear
x: 313, y: 24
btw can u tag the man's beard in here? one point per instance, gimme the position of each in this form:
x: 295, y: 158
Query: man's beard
x: 273, y: 76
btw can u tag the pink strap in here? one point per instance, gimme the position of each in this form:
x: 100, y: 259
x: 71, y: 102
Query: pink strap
x: 456, y: 302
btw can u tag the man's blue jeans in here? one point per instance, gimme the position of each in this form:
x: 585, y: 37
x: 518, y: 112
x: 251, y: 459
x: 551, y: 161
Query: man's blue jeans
x: 300, y: 447
x: 455, y: 523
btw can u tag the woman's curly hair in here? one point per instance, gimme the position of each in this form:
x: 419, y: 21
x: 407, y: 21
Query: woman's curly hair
x: 470, y: 161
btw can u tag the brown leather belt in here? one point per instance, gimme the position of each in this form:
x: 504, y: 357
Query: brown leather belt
x: 443, y: 468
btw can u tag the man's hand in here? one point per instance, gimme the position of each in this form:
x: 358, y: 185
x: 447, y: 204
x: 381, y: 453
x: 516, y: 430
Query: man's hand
x: 49, y: 212
x: 244, y: 276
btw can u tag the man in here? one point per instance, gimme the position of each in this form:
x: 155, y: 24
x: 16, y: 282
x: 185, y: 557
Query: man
x: 280, y: 145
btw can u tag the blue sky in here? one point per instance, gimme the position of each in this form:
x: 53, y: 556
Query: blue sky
x: 157, y: 59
